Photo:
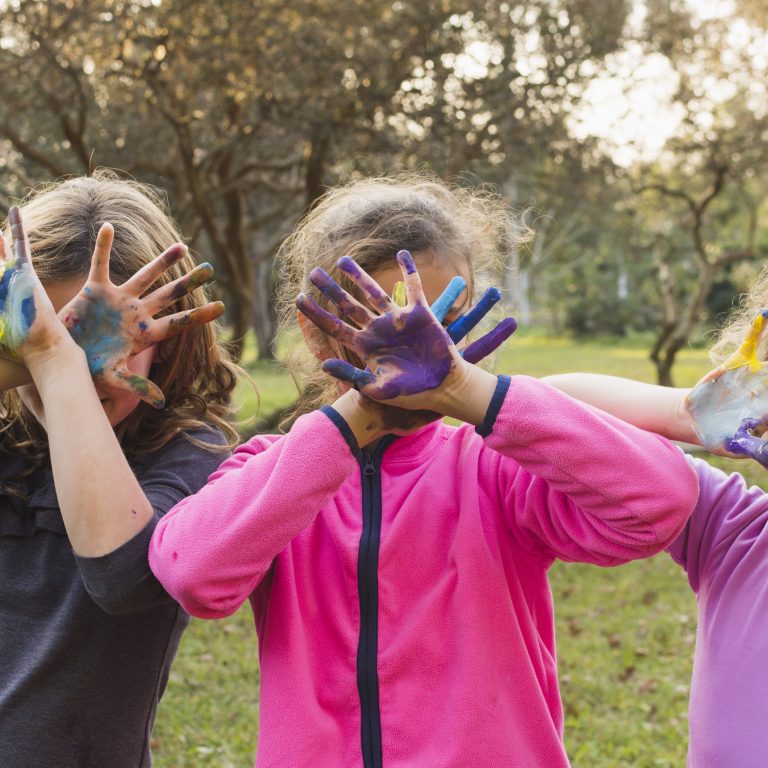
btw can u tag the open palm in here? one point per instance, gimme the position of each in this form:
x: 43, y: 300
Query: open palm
x: 405, y: 349
x: 732, y: 400
x: 112, y: 322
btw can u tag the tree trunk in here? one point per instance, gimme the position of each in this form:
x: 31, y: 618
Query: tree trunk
x: 264, y: 314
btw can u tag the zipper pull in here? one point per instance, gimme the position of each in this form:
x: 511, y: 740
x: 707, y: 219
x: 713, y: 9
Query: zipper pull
x: 369, y: 468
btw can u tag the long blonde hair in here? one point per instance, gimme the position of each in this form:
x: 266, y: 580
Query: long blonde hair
x: 370, y: 221
x: 194, y: 369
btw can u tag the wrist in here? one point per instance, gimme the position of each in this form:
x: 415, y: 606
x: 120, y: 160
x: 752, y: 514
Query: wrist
x: 466, y: 393
x: 46, y: 363
x: 364, y: 424
x: 687, y: 427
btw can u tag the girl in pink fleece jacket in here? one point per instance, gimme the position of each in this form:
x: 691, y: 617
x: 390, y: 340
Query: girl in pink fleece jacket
x: 399, y: 584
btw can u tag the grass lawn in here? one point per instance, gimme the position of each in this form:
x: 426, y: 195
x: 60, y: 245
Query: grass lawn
x: 625, y: 635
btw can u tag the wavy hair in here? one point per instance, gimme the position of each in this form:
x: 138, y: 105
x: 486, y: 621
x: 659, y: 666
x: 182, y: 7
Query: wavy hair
x: 370, y: 220
x: 194, y: 369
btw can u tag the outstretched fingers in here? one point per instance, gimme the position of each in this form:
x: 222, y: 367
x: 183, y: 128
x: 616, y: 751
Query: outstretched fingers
x: 351, y: 308
x: 324, y: 320
x: 143, y: 388
x: 370, y: 288
x: 167, y: 294
x: 99, y: 272
x: 447, y: 298
x: 19, y: 236
x: 344, y: 371
x: 413, y: 289
x: 483, y: 347
x: 458, y: 329
x: 172, y: 325
x: 149, y: 273
x: 746, y: 354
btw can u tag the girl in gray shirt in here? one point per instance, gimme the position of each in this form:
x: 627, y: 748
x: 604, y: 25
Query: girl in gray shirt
x: 90, y: 460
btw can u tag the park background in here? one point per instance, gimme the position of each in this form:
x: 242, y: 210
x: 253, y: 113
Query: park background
x: 630, y: 136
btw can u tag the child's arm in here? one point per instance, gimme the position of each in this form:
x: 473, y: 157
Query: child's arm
x: 212, y: 550
x: 648, y: 406
x: 584, y: 485
x: 101, y: 501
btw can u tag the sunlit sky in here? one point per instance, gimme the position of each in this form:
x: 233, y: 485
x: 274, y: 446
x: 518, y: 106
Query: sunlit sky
x: 630, y: 109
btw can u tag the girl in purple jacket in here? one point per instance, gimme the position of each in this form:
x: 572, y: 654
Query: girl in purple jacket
x: 724, y: 546
x: 397, y: 566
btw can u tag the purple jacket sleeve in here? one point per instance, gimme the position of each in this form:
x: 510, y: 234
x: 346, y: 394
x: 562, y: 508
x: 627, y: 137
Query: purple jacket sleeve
x: 585, y: 486
x: 252, y: 507
x: 728, y: 515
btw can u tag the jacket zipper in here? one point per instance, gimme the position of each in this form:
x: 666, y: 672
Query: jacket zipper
x: 368, y: 592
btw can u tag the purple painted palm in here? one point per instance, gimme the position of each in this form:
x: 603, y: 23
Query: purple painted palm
x: 405, y: 349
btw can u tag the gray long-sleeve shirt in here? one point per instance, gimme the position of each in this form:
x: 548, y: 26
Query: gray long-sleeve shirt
x: 86, y: 644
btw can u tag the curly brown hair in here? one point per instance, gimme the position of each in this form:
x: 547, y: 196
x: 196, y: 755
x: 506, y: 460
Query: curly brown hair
x: 370, y: 220
x: 194, y: 370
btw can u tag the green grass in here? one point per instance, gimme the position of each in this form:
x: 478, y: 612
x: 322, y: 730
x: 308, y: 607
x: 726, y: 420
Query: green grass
x: 625, y: 635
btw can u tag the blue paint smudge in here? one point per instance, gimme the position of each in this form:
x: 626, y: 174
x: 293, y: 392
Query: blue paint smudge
x: 458, y: 329
x: 446, y: 299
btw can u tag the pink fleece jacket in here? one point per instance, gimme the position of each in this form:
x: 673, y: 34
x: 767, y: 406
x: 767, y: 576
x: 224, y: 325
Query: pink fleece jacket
x: 427, y: 641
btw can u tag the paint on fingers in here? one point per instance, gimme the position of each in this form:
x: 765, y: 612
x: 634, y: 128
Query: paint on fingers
x: 17, y: 303
x: 143, y: 388
x: 464, y: 325
x: 489, y: 343
x: 398, y: 294
x: 340, y: 369
x: 447, y: 298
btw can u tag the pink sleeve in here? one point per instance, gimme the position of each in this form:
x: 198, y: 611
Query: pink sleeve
x: 585, y: 486
x: 213, y: 548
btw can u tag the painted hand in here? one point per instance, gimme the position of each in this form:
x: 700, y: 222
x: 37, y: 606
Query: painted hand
x: 406, y: 351
x: 732, y: 400
x: 464, y: 325
x: 18, y: 286
x: 28, y: 322
x: 112, y: 322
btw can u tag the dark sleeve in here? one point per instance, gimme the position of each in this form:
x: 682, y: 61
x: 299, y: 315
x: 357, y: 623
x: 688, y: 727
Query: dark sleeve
x: 121, y: 581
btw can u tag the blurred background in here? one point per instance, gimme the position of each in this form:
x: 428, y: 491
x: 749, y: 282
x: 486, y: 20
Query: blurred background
x: 630, y: 135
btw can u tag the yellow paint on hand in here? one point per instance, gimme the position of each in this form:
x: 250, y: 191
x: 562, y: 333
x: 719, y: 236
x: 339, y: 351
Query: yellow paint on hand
x: 746, y: 354
x: 399, y: 295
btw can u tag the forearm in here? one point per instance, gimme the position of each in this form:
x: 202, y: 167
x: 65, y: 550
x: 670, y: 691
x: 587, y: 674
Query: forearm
x: 647, y: 406
x: 621, y: 492
x: 101, y: 501
x: 211, y: 550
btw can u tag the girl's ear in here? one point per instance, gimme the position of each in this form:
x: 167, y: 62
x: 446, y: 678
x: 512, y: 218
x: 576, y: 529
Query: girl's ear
x: 313, y: 338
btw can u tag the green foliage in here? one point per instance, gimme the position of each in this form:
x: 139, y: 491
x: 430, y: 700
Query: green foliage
x: 625, y: 635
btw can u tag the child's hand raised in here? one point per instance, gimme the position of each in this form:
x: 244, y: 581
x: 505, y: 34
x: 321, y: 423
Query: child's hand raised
x: 732, y: 400
x: 405, y: 349
x: 407, y: 353
x: 112, y: 322
x: 28, y: 322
